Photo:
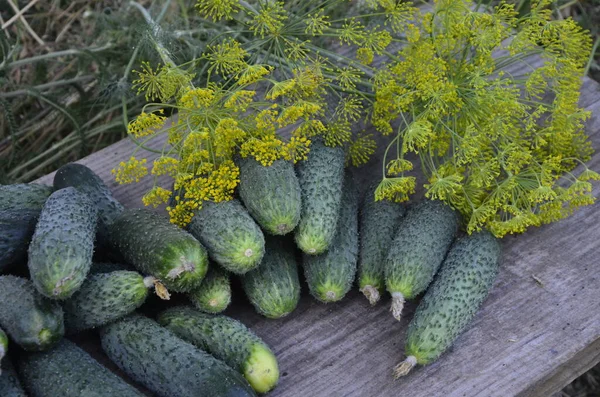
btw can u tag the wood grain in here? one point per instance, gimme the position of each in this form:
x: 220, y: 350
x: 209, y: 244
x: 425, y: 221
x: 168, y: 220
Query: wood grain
x: 529, y: 339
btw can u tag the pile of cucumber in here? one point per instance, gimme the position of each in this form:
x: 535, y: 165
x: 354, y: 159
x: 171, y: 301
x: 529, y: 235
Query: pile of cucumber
x: 73, y: 259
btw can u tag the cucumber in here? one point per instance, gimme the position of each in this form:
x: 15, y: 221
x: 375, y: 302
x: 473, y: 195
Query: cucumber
x: 214, y: 294
x: 230, y: 234
x: 32, y: 321
x: 321, y: 177
x: 227, y: 339
x: 106, y: 267
x: 68, y: 371
x: 271, y: 194
x: 61, y: 249
x: 331, y: 274
x: 421, y: 242
x: 20, y: 207
x: 3, y: 344
x: 157, y: 247
x: 274, y: 288
x: 379, y: 221
x: 167, y: 365
x: 86, y: 181
x: 104, y: 298
x: 10, y: 386
x: 24, y: 196
x: 463, y: 283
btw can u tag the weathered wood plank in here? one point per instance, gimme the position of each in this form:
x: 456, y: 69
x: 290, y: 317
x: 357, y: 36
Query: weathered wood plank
x: 527, y: 340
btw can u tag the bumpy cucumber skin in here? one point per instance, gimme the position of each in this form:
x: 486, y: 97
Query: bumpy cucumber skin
x: 214, y: 294
x: 379, y: 221
x: 106, y: 267
x: 167, y: 365
x: 421, y: 242
x: 16, y: 229
x: 321, y: 178
x: 86, y: 181
x: 331, y: 274
x: 20, y: 207
x: 104, y: 298
x: 61, y: 249
x: 157, y: 247
x: 24, y: 196
x: 3, y: 344
x: 274, y: 288
x: 231, y: 236
x: 32, y: 321
x: 10, y: 386
x: 227, y: 339
x: 271, y: 194
x: 68, y: 371
x: 455, y: 296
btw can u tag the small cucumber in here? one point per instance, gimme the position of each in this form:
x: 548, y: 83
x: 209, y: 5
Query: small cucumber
x: 230, y: 234
x: 24, y: 196
x: 155, y: 246
x: 331, y: 274
x: 3, y: 344
x: 61, y: 249
x: 227, y: 339
x: 20, y: 207
x: 271, y: 194
x: 68, y: 371
x: 32, y: 321
x: 274, y: 288
x: 104, y: 298
x: 379, y: 221
x: 463, y: 283
x: 214, y: 294
x: 321, y: 177
x: 10, y: 386
x: 86, y: 181
x: 167, y: 365
x: 419, y: 247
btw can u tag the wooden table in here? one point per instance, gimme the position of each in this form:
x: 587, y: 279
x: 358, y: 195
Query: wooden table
x: 538, y: 330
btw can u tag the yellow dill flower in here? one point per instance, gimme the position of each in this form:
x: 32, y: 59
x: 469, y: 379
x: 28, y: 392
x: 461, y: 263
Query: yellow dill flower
x: 377, y: 40
x: 156, y: 197
x: 165, y: 166
x: 398, y: 166
x: 417, y: 135
x: 297, y: 50
x: 302, y: 109
x: 395, y: 189
x: 217, y: 9
x: 309, y: 128
x: 130, y: 171
x: 349, y: 108
x: 338, y: 133
x: 239, y: 100
x: 269, y: 20
x: 361, y: 149
x: 297, y: 149
x: 316, y: 23
x: 163, y: 83
x: 181, y: 214
x: 252, y: 74
x: 444, y: 187
x: 227, y: 57
x: 352, y: 32
x: 227, y: 136
x: 281, y: 88
x: 265, y: 150
x: 365, y: 55
x: 197, y: 98
x: 348, y: 77
x: 146, y: 124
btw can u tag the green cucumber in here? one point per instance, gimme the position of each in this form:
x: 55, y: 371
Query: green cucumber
x: 463, y: 283
x: 104, y: 298
x: 61, y: 249
x: 106, y: 267
x: 10, y: 386
x: 68, y: 371
x: 20, y: 207
x: 24, y: 196
x: 3, y: 344
x: 227, y: 339
x: 274, y: 287
x: 32, y: 321
x: 321, y: 177
x: 86, y: 181
x: 214, y: 294
x: 271, y: 194
x: 230, y: 235
x: 156, y: 247
x: 331, y: 274
x: 167, y: 365
x: 379, y: 221
x: 419, y: 247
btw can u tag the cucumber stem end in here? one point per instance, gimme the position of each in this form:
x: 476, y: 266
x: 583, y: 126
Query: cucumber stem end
x: 371, y: 293
x: 397, y: 305
x: 405, y: 367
